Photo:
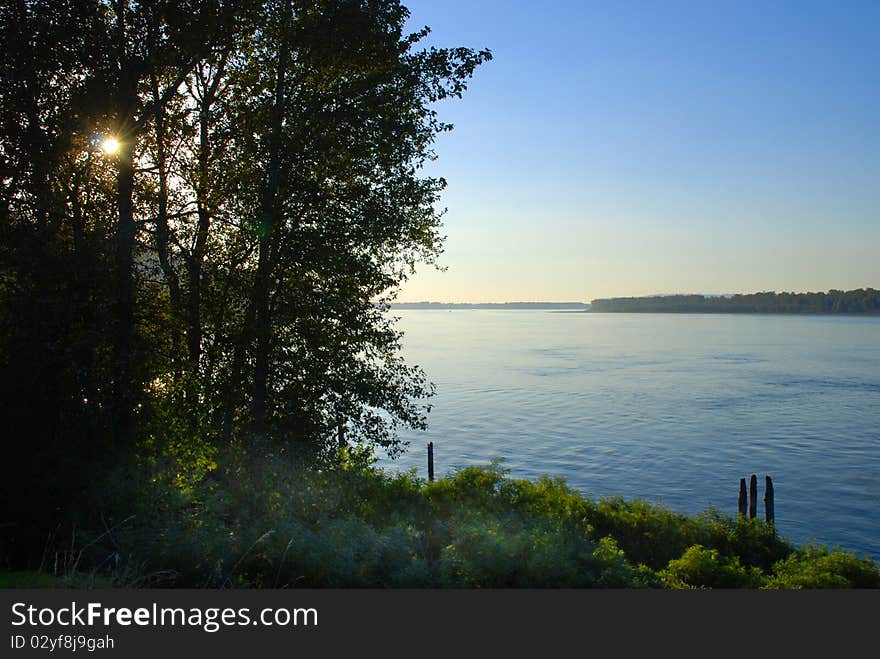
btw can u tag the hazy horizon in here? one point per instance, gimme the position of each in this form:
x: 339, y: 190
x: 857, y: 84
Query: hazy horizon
x: 588, y: 300
x: 630, y: 149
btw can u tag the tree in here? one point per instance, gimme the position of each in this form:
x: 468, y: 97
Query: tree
x: 335, y: 213
x: 148, y: 37
x: 224, y: 275
x: 54, y: 218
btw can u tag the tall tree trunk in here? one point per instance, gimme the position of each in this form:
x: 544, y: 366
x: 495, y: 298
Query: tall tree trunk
x: 126, y: 230
x: 125, y: 239
x: 82, y: 275
x: 194, y: 320
x: 232, y: 393
x: 267, y: 225
x: 204, y: 210
x: 38, y: 262
x: 130, y: 72
x: 163, y: 230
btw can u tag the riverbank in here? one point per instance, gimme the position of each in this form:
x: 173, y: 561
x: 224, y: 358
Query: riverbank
x: 862, y: 301
x: 275, y: 525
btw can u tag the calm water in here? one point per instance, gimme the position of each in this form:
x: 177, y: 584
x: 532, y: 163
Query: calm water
x: 669, y: 408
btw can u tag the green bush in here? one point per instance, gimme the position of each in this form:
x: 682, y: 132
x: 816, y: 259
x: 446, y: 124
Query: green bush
x: 700, y: 567
x: 752, y: 541
x: 262, y: 518
x: 648, y: 534
x: 816, y: 567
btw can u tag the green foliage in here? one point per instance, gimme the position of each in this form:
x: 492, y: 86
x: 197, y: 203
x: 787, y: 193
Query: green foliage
x: 176, y: 445
x: 222, y: 278
x: 263, y: 519
x: 652, y: 535
x: 816, y: 567
x: 751, y: 540
x: 46, y: 580
x: 27, y: 580
x: 494, y: 551
x: 706, y: 568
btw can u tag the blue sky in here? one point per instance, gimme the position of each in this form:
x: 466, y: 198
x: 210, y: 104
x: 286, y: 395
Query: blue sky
x: 631, y: 148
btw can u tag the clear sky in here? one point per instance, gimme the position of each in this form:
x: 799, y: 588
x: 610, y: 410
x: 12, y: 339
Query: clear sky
x: 630, y: 148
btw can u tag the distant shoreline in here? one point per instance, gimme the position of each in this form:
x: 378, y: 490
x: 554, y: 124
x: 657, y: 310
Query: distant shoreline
x: 570, y: 306
x: 737, y: 313
x: 858, y: 302
x: 862, y: 301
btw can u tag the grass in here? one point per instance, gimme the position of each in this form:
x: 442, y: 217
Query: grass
x: 35, y: 579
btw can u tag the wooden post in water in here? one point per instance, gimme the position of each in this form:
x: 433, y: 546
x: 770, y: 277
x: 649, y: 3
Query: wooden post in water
x: 743, y: 498
x: 430, y: 462
x: 753, y: 497
x: 769, y: 507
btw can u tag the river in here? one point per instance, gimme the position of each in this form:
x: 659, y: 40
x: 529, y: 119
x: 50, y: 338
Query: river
x: 670, y: 408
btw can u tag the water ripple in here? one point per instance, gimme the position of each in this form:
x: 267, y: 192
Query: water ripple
x: 665, y: 408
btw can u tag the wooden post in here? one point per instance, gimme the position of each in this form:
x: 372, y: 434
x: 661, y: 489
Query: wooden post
x: 743, y: 498
x: 430, y: 462
x: 753, y: 497
x: 769, y: 507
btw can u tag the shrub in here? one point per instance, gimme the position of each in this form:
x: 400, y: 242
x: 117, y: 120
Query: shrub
x: 648, y: 534
x: 263, y: 518
x: 700, y: 567
x: 816, y: 567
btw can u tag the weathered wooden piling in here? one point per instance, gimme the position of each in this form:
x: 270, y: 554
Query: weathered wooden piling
x: 430, y: 462
x: 769, y: 506
x: 753, y: 497
x: 743, y: 498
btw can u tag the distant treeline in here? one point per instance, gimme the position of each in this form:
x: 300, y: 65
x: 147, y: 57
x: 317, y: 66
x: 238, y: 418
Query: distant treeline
x: 860, y: 301
x: 581, y: 306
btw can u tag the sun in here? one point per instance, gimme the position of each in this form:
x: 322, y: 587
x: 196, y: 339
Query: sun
x: 110, y: 145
